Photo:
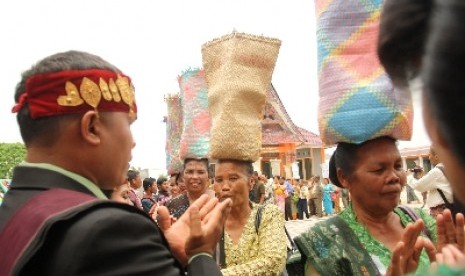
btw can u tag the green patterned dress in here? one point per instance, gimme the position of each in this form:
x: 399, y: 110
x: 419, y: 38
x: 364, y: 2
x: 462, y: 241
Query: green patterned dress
x: 341, y: 246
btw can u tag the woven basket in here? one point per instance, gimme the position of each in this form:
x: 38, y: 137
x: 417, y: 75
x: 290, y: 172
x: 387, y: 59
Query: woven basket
x: 173, y: 133
x: 238, y: 69
x: 357, y: 100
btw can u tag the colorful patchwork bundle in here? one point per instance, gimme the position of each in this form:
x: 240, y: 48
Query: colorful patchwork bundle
x: 357, y: 100
x: 238, y: 69
x: 195, y: 138
x: 173, y: 133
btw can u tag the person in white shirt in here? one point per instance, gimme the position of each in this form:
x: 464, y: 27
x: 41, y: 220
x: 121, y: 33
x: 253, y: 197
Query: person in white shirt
x: 433, y: 181
x: 412, y: 177
x: 302, y: 206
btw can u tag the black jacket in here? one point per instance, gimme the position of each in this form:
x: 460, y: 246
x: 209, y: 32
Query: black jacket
x: 113, y: 240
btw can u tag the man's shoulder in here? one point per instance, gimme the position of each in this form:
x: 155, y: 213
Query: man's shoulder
x: 98, y: 213
x: 90, y: 228
x: 106, y: 226
x: 113, y: 211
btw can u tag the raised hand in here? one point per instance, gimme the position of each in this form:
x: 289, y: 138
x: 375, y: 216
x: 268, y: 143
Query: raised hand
x: 406, y: 254
x: 198, y: 230
x: 451, y: 256
x: 450, y: 232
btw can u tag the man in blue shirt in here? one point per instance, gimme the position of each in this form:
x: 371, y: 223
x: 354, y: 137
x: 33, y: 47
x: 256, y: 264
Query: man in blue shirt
x: 288, y: 201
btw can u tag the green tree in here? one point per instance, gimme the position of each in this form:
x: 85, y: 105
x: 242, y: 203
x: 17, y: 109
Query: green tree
x: 11, y: 154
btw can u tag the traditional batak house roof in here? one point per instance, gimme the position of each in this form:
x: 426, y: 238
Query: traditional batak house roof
x: 285, y: 143
x: 311, y: 138
x: 278, y: 128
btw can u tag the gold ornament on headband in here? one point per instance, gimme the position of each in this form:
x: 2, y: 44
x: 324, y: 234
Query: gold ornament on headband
x: 105, y: 90
x: 72, y: 97
x: 126, y: 91
x: 114, y: 91
x: 91, y: 93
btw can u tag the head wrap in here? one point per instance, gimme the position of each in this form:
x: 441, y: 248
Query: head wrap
x: 77, y: 91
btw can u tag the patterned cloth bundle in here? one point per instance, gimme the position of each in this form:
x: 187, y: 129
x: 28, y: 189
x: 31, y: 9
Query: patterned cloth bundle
x: 238, y: 69
x: 195, y: 138
x: 357, y: 100
x: 173, y: 133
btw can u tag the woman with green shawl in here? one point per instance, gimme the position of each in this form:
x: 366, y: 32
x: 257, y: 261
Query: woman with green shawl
x: 361, y: 239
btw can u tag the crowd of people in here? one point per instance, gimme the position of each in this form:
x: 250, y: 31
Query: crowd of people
x: 299, y: 199
x: 295, y: 198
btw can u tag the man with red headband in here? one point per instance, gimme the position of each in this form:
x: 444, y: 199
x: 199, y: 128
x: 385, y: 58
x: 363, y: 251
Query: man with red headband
x: 74, y: 112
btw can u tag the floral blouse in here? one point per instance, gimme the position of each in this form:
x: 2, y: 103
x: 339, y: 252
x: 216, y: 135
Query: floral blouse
x: 258, y: 254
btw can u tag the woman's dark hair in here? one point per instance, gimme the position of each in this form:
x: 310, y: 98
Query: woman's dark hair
x: 203, y: 160
x: 148, y: 182
x: 45, y: 130
x: 443, y: 75
x: 178, y: 176
x: 402, y: 36
x: 344, y: 158
x: 247, y: 165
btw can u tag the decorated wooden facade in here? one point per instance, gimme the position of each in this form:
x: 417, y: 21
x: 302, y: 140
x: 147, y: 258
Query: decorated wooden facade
x: 287, y: 150
x: 416, y: 156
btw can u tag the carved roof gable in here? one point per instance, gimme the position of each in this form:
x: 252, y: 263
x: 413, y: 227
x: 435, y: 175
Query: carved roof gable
x: 277, y: 125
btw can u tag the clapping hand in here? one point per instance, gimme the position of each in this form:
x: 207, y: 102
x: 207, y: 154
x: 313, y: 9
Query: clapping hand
x: 450, y: 232
x: 451, y: 241
x: 449, y: 250
x: 451, y: 256
x: 406, y: 254
x: 198, y: 230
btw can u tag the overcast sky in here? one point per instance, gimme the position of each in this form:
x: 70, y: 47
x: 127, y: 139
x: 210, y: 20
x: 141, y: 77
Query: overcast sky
x: 153, y: 42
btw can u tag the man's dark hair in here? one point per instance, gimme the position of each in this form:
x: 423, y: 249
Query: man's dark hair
x: 148, y: 182
x: 402, y: 37
x: 444, y: 82
x: 161, y: 179
x: 132, y: 174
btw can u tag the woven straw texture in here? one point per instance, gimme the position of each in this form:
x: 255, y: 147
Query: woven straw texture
x: 195, y: 138
x: 238, y: 70
x: 357, y: 100
x: 173, y: 133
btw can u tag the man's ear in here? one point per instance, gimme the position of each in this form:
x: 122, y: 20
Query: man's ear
x: 91, y: 127
x: 343, y: 179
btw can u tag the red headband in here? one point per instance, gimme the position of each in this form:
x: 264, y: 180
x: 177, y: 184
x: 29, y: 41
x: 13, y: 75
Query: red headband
x: 77, y: 91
